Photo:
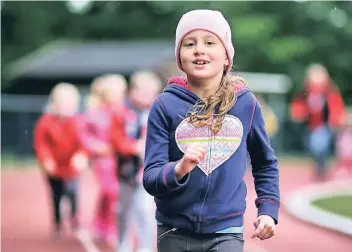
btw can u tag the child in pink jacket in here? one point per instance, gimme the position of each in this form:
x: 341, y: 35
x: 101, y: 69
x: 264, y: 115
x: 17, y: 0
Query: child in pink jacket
x: 103, y: 134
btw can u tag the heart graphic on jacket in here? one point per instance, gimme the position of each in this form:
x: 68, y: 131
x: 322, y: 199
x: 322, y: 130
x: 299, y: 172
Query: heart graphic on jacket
x: 220, y: 146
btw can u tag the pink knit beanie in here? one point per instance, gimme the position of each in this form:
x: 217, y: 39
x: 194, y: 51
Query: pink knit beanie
x: 208, y: 20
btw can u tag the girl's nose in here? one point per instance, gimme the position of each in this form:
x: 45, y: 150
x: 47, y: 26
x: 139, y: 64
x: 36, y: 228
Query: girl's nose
x: 199, y: 49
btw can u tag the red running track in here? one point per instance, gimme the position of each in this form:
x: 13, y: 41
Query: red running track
x: 25, y: 217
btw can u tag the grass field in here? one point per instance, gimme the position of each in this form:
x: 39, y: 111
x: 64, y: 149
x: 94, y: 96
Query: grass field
x: 341, y: 204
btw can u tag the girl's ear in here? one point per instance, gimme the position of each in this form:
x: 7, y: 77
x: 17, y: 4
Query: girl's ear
x: 226, y: 65
x: 227, y: 62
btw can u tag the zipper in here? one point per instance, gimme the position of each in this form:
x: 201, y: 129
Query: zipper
x: 207, y: 183
x: 166, y: 232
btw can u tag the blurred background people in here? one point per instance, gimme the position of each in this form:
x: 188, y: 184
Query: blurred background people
x: 136, y: 205
x: 344, y: 148
x: 59, y: 152
x: 93, y: 99
x: 321, y: 108
x: 270, y: 118
x: 103, y: 135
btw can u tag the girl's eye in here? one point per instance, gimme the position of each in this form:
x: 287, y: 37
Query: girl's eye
x: 189, y: 44
x: 210, y: 43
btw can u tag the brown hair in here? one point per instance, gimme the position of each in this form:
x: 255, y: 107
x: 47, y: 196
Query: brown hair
x: 213, y: 109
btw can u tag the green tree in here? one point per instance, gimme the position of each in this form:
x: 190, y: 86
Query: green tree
x: 277, y: 37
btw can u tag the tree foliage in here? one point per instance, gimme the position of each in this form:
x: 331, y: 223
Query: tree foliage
x: 276, y: 37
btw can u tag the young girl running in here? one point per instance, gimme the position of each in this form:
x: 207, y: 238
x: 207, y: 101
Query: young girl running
x: 58, y: 150
x: 199, y: 131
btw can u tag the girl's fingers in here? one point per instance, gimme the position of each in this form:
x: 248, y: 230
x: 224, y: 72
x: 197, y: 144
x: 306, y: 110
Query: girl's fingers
x: 196, y: 153
x: 272, y: 234
x: 200, y: 149
x: 266, y: 233
x: 258, y: 231
x: 194, y: 158
x: 197, y: 146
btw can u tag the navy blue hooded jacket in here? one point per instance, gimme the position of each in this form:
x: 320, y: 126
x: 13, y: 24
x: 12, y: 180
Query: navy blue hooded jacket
x: 212, y: 196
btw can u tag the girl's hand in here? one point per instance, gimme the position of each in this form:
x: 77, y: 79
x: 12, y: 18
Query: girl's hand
x: 80, y: 161
x: 141, y: 148
x: 194, y: 154
x: 49, y: 166
x: 265, y: 227
x: 104, y: 149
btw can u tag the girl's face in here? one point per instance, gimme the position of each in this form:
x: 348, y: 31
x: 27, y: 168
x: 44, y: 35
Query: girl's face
x: 202, y: 55
x: 318, y: 76
x: 318, y: 79
x: 114, y: 91
x: 65, y: 103
x: 97, y: 87
x: 144, y: 91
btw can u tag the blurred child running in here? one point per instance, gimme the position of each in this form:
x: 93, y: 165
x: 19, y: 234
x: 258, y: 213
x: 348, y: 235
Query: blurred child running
x: 59, y: 152
x: 321, y: 108
x: 136, y: 205
x: 103, y: 135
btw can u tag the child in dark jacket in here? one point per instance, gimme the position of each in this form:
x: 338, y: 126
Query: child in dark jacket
x: 136, y: 204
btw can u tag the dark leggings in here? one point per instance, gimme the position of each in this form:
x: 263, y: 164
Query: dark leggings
x: 173, y: 240
x: 59, y: 188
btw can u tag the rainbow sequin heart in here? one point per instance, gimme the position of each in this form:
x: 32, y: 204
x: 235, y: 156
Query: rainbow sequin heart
x: 220, y: 146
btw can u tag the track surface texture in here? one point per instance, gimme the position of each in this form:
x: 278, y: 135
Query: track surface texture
x: 25, y: 219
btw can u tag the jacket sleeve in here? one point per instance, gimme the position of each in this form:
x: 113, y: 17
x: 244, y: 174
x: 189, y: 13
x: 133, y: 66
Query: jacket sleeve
x: 40, y: 144
x: 80, y: 148
x: 159, y: 176
x: 264, y: 166
x: 121, y: 142
x: 298, y: 108
x: 336, y: 109
x: 89, y: 142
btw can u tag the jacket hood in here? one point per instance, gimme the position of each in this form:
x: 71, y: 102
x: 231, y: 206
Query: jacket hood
x: 178, y: 86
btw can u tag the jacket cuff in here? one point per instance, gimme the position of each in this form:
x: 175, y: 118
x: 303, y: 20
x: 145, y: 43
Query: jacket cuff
x: 169, y: 177
x: 269, y: 207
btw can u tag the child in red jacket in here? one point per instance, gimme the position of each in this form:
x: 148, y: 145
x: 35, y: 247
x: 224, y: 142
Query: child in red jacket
x: 58, y: 150
x: 322, y: 109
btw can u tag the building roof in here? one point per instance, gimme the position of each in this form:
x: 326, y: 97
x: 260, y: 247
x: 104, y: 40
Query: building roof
x: 63, y: 59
